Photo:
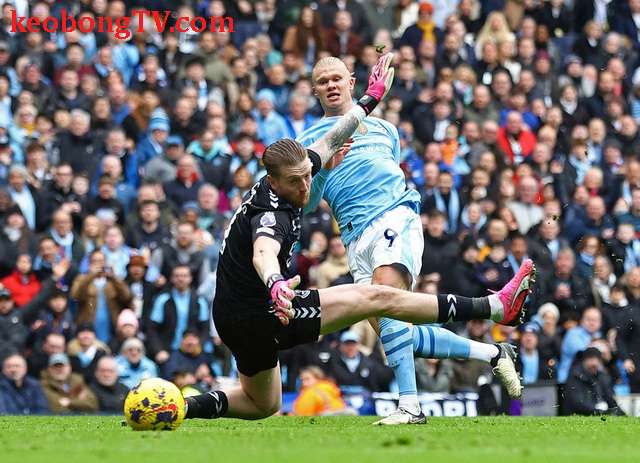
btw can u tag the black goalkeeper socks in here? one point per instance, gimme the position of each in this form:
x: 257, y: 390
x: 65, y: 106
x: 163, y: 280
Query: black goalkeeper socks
x: 458, y: 308
x: 211, y: 405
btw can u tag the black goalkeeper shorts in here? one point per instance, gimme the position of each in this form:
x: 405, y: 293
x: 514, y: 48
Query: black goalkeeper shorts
x: 255, y: 336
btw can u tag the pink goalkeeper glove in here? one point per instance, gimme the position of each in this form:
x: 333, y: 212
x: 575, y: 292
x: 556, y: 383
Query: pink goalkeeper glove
x: 381, y: 77
x: 282, y: 293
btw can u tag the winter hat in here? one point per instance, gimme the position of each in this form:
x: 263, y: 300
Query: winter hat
x: 127, y: 317
x: 159, y: 120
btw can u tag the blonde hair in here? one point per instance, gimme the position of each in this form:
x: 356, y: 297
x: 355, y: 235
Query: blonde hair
x: 326, y: 62
x: 283, y: 153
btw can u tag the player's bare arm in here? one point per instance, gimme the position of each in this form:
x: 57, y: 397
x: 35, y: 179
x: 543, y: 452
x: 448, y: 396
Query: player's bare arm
x: 380, y: 82
x: 265, y: 261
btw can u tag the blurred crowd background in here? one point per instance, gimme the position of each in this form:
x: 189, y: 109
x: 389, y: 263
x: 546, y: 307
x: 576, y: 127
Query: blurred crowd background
x: 122, y: 161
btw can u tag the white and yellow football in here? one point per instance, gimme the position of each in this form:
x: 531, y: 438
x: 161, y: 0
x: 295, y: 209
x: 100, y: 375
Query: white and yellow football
x: 154, y: 405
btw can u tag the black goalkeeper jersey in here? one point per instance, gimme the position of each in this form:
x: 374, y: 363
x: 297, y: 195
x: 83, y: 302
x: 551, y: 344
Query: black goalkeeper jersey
x: 262, y: 213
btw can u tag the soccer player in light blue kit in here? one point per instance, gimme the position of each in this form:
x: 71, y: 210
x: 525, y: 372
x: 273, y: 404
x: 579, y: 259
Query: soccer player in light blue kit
x: 382, y: 231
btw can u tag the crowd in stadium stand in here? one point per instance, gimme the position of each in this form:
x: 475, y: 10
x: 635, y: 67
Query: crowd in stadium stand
x: 121, y: 162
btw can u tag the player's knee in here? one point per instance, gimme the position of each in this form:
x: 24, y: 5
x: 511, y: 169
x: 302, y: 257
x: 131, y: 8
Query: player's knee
x: 391, y: 275
x: 274, y: 408
x: 268, y: 409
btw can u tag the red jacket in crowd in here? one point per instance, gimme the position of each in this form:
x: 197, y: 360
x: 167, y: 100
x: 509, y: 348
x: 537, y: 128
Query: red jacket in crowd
x: 526, y: 139
x: 23, y: 288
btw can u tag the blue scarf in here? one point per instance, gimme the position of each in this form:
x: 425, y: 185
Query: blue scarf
x: 66, y: 242
x: 452, y: 209
x: 464, y: 218
x: 581, y: 168
x: 632, y: 255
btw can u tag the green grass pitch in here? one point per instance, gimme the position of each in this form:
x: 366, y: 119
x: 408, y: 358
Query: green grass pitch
x: 322, y: 440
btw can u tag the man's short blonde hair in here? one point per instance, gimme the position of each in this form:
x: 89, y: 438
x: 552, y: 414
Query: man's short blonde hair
x: 326, y: 62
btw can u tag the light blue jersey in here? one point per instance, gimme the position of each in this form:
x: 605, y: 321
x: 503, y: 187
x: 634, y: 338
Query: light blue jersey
x: 368, y: 182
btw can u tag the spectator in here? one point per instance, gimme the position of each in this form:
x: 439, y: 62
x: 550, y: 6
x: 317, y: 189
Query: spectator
x: 149, y: 232
x: 15, y: 239
x: 440, y: 249
x: 494, y: 271
x: 271, y: 125
x: 69, y: 245
x: 588, y: 248
x: 341, y: 38
x: 632, y: 215
x: 595, y: 222
x: 38, y: 361
x: 578, y: 339
x: 589, y: 390
x: 53, y: 315
x: 624, y: 249
x: 100, y: 296
x: 20, y: 394
x: 24, y: 195
x: 22, y: 283
x: 189, y: 357
x: 546, y: 243
x: 133, y: 365
x: 76, y: 146
x: 175, y: 311
x: 106, y: 387
x: 208, y: 147
x: 445, y: 199
x: 116, y: 253
x: 334, y: 266
x: 59, y: 194
x: 182, y: 251
x: 533, y: 365
x: 306, y: 38
x: 423, y: 29
x: 85, y: 350
x: 481, y: 108
x: 163, y: 168
x: 564, y: 287
x: 124, y: 184
x: 66, y: 391
x: 433, y: 375
x: 549, y: 338
x: 186, y: 184
x: 209, y: 217
x: 515, y: 140
x: 106, y: 201
x: 465, y: 269
x: 318, y: 396
x: 151, y: 146
x: 298, y: 118
x: 526, y: 210
x: 127, y: 327
x: 354, y: 371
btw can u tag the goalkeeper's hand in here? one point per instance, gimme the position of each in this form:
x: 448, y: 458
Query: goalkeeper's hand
x: 282, y: 293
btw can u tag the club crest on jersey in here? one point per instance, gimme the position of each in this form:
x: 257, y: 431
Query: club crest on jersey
x: 362, y: 129
x: 268, y: 219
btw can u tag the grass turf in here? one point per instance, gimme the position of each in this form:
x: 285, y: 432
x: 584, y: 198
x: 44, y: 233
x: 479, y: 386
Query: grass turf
x: 326, y: 440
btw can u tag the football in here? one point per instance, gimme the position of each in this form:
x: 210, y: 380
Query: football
x: 154, y: 405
